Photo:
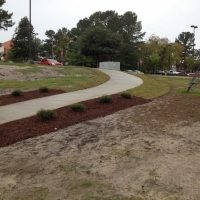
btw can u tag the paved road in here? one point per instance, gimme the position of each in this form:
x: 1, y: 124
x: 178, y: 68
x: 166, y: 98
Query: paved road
x: 118, y: 82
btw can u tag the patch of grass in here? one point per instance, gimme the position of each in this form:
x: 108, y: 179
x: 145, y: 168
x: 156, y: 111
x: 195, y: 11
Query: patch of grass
x: 87, y: 184
x: 154, y: 86
x: 67, y: 84
x: 90, y: 197
x: 31, y: 194
x: 44, y: 89
x: 179, y: 84
x: 126, y: 95
x: 78, y: 107
x: 153, y: 174
x: 33, y: 69
x: 105, y: 99
x: 151, y: 88
x: 45, y: 115
x: 17, y: 64
x: 68, y: 168
x: 174, y: 81
x: 75, y: 70
x: 190, y: 93
x: 16, y: 93
x: 152, y: 182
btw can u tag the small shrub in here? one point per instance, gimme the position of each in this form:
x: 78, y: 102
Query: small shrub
x: 44, y: 89
x: 45, y: 115
x: 126, y: 95
x: 30, y: 62
x: 105, y: 99
x: 87, y: 184
x: 78, y: 107
x: 16, y: 93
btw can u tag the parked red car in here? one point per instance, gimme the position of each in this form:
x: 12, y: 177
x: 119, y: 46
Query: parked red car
x: 47, y: 61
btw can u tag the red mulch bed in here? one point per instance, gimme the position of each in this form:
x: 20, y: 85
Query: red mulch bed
x: 34, y: 94
x: 18, y: 130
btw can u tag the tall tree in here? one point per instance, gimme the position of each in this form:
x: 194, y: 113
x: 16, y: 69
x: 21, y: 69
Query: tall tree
x: 170, y: 53
x: 49, y: 44
x: 126, y: 27
x: 62, y: 42
x: 154, y: 57
x: 5, y: 17
x: 108, y: 19
x: 20, y: 49
x: 131, y: 28
x: 186, y: 39
x: 101, y: 43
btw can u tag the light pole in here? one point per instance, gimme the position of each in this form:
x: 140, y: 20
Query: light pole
x: 52, y: 49
x: 193, y: 26
x: 30, y: 29
x: 169, y: 45
x: 35, y: 35
x: 35, y: 41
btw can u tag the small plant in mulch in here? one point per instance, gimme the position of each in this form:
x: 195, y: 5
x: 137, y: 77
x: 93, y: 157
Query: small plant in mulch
x: 44, y: 89
x: 78, y: 107
x: 45, y: 115
x: 16, y: 93
x: 105, y: 99
x: 126, y: 95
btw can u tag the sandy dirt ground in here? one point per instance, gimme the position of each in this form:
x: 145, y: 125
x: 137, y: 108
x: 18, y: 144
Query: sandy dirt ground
x: 150, y: 152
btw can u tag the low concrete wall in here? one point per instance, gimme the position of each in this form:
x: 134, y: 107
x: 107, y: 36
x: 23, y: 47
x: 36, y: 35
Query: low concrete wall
x: 109, y: 65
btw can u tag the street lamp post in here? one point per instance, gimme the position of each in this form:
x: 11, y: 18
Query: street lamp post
x: 35, y: 35
x: 169, y: 45
x: 35, y: 41
x: 30, y: 29
x: 52, y: 49
x: 193, y: 26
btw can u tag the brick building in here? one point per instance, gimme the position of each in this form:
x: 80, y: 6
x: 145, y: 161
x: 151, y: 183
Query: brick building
x: 7, y: 46
x: 1, y: 48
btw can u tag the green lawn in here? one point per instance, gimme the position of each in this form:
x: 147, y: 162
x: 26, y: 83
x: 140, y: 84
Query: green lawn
x: 154, y: 86
x: 75, y: 78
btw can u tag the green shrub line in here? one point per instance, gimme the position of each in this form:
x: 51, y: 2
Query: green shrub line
x: 45, y: 115
x: 16, y: 93
x: 105, y: 99
x: 126, y: 95
x: 44, y: 89
x: 78, y: 107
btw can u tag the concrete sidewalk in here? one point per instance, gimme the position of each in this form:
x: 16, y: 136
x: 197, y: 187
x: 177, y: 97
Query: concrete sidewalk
x: 119, y: 81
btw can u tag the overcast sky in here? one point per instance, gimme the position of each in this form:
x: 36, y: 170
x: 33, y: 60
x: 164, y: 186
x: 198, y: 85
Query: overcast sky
x: 164, y: 18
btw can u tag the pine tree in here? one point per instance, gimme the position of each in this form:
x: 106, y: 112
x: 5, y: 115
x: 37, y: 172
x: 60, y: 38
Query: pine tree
x: 5, y: 17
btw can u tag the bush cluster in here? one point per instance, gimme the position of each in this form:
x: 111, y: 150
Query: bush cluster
x: 44, y: 89
x: 45, y: 115
x: 30, y: 62
x: 78, y: 107
x: 16, y: 93
x: 105, y: 99
x: 126, y: 95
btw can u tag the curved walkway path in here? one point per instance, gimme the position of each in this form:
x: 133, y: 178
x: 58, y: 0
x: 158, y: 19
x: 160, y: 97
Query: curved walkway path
x: 118, y: 82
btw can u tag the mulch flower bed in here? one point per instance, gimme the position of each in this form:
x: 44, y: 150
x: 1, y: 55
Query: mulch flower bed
x: 19, y: 130
x: 9, y: 99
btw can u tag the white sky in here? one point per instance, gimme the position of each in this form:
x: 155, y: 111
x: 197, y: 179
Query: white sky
x: 164, y: 18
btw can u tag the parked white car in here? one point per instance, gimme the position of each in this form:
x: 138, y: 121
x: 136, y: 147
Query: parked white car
x: 137, y: 72
x: 172, y: 72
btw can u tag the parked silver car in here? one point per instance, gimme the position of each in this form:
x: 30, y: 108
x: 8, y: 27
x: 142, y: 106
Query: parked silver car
x: 137, y: 72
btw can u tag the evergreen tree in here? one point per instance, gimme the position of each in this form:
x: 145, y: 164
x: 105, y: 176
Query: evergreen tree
x: 20, y: 48
x: 186, y: 39
x: 5, y: 17
x: 125, y: 29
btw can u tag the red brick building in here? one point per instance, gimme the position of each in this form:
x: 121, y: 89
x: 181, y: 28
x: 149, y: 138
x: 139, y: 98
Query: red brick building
x: 7, y: 46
